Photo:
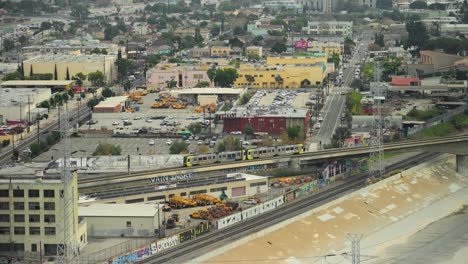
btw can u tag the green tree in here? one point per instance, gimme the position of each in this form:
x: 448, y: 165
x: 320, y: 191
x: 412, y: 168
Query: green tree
x: 336, y: 60
x: 417, y: 34
x: 67, y: 74
x: 107, y: 92
x: 178, y: 147
x: 225, y: 77
x: 229, y: 143
x: 238, y: 31
x: 357, y: 84
x: 8, y: 44
x: 202, y: 84
x: 195, y: 128
x: 13, y: 76
x: 80, y: 12
x: 44, y: 104
x: 384, y: 4
x: 55, y: 72
x: 96, y: 78
x: 418, y: 5
x: 293, y: 132
x: 211, y: 73
x: 348, y: 45
x: 249, y: 130
x: 79, y: 78
x: 106, y: 149
x: 35, y: 149
x: 279, y: 47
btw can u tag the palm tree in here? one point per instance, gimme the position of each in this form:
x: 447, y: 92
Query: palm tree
x: 250, y: 79
x: 279, y: 81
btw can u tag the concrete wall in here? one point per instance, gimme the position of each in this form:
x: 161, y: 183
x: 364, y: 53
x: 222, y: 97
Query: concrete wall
x: 117, y: 226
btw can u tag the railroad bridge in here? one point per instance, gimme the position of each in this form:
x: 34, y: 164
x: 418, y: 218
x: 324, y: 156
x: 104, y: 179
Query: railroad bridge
x: 457, y: 145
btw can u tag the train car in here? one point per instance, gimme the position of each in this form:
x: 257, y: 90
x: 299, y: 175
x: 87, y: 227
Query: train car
x: 290, y: 149
x: 192, y: 160
x: 261, y: 153
x: 231, y: 156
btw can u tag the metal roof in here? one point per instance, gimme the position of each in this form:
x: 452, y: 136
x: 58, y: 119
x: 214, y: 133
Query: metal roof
x: 118, y: 210
x: 37, y: 83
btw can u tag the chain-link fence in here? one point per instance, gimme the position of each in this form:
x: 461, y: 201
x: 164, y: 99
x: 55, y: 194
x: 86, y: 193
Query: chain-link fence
x: 107, y: 253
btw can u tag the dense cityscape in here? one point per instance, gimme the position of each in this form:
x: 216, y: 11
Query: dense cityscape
x: 216, y: 131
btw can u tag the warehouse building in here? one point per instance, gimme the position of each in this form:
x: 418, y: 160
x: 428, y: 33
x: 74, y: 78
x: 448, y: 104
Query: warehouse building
x: 20, y: 103
x: 160, y: 189
x: 54, y: 85
x: 73, y: 64
x: 281, y: 75
x: 115, y: 104
x: 271, y: 122
x: 118, y: 220
x: 32, y: 212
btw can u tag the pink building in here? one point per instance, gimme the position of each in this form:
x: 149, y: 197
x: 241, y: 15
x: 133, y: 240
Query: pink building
x: 184, y: 76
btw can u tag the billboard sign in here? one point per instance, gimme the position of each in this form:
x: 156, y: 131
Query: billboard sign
x: 303, y: 44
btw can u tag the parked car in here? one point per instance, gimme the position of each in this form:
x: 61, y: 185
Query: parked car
x: 151, y: 142
x: 115, y: 123
x: 148, y: 120
x: 168, y: 142
x: 127, y: 123
x: 236, y: 133
x: 137, y: 118
x: 200, y: 142
x: 192, y: 117
x: 91, y: 122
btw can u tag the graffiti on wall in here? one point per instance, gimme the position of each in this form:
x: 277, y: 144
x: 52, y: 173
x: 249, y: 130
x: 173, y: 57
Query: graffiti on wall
x: 177, y: 177
x: 252, y: 168
x: 195, y: 232
x: 133, y: 256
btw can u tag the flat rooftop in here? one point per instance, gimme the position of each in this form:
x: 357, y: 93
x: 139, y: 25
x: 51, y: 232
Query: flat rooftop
x: 112, y: 101
x: 19, y: 96
x: 208, y: 91
x: 27, y: 172
x: 118, y: 210
x: 247, y: 177
x: 67, y: 58
x: 36, y: 83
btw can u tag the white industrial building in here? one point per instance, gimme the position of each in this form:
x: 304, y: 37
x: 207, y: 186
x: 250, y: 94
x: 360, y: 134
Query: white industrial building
x: 116, y: 220
x: 18, y: 103
x: 329, y: 28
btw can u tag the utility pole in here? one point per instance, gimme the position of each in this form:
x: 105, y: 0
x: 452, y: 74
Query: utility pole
x: 29, y: 109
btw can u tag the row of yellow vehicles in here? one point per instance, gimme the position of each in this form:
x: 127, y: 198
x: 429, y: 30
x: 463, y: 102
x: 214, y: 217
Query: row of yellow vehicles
x: 215, y: 207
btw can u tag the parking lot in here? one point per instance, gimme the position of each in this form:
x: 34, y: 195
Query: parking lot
x: 290, y: 98
x: 142, y: 118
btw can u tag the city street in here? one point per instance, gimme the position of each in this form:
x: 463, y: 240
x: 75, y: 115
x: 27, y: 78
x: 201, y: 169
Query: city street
x: 335, y: 101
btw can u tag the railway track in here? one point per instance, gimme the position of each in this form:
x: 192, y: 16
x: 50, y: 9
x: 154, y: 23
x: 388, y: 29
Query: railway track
x: 212, y: 240
x: 329, y: 153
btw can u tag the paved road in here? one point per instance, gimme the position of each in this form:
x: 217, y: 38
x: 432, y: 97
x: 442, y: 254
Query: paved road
x: 335, y: 102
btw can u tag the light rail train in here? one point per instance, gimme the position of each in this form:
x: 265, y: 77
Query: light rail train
x: 245, y: 154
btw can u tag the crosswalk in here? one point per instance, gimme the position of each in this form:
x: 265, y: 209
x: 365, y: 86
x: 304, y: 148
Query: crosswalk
x: 336, y: 92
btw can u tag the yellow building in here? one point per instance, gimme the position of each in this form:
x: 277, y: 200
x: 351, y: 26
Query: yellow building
x: 284, y: 76
x: 326, y: 47
x: 254, y: 51
x: 74, y: 64
x: 220, y: 51
x: 297, y: 60
x: 32, y: 213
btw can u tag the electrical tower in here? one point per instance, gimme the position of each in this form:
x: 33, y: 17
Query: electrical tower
x: 376, y: 157
x: 355, y: 247
x: 67, y: 248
